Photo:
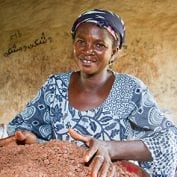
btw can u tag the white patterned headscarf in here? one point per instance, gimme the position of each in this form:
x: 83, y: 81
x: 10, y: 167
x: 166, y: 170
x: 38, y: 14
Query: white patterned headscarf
x: 103, y: 18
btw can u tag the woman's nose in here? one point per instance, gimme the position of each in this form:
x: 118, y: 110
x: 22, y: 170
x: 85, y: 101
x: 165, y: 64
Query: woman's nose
x: 89, y: 50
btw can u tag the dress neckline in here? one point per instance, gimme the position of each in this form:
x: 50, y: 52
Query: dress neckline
x: 101, y: 105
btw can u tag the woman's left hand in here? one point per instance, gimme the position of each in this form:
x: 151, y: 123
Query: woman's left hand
x: 99, y: 151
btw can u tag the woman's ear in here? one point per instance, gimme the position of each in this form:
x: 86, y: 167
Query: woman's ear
x: 114, y: 51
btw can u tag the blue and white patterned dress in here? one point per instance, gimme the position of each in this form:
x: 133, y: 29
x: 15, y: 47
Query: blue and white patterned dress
x: 128, y: 113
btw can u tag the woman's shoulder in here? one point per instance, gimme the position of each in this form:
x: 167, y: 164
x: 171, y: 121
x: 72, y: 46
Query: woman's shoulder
x: 129, y: 79
x: 59, y: 77
x: 62, y: 75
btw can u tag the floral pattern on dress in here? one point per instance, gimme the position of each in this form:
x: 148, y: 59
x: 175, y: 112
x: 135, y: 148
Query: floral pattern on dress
x: 128, y: 113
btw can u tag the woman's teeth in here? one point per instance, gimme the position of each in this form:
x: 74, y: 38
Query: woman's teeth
x: 87, y: 61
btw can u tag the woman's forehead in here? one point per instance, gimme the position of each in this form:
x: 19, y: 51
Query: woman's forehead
x: 94, y: 30
x: 103, y: 18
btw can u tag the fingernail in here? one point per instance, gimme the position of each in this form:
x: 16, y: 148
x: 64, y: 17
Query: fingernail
x: 86, y: 158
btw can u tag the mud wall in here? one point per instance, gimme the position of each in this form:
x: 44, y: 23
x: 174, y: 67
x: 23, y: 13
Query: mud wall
x: 35, y: 42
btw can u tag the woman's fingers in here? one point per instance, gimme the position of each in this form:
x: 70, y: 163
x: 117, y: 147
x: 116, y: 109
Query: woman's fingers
x: 25, y: 137
x: 84, y: 139
x: 78, y: 136
x: 20, y: 136
x: 98, y: 162
x: 87, y: 140
x: 91, y: 152
x: 105, y: 169
x: 102, y: 167
x: 113, y: 171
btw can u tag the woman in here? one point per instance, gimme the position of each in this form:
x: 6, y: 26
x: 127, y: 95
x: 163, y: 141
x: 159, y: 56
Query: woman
x: 113, y: 114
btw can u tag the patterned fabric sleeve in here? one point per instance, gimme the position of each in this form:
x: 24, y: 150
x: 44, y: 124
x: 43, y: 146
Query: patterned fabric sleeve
x: 159, y: 134
x: 35, y: 116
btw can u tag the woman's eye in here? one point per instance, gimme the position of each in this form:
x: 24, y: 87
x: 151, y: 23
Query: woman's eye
x: 100, y: 45
x: 81, y: 42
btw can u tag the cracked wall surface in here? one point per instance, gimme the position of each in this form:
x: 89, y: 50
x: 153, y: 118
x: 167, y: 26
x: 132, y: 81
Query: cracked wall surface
x: 36, y: 42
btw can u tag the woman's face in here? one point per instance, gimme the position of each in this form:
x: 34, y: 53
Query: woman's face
x: 93, y: 48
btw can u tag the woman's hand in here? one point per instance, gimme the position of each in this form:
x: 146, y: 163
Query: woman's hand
x: 20, y: 137
x: 25, y: 137
x: 99, y: 151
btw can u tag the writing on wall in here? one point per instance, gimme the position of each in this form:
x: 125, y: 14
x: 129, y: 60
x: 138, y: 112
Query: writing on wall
x: 43, y: 39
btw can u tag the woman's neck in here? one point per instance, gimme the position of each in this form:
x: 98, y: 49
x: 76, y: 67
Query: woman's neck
x: 86, y: 92
x: 94, y: 81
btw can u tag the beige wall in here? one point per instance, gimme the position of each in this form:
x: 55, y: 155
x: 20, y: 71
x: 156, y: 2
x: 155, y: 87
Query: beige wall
x: 35, y: 42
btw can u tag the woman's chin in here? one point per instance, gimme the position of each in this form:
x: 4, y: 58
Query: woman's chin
x: 87, y: 69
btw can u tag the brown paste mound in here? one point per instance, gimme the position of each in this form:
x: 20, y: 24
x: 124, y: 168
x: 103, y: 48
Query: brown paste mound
x: 53, y: 159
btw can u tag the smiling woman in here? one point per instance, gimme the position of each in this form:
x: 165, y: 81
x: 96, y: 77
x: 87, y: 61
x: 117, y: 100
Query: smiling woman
x: 93, y: 49
x: 114, y: 115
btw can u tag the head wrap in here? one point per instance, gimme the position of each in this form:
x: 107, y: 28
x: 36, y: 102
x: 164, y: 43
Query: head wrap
x: 103, y: 18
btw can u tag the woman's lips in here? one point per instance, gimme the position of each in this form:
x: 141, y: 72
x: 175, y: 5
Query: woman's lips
x: 87, y: 62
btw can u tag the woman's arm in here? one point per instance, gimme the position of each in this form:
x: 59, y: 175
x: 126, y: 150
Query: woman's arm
x: 129, y: 150
x: 34, y: 115
x: 151, y: 126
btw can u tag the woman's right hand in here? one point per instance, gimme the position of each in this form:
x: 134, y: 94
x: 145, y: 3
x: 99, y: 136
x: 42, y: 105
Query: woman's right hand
x: 20, y: 137
x: 99, y: 152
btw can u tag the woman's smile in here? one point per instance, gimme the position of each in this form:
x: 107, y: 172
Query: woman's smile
x: 87, y: 60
